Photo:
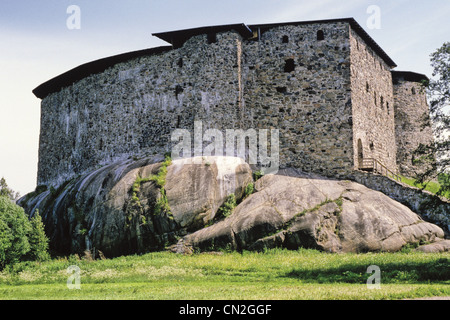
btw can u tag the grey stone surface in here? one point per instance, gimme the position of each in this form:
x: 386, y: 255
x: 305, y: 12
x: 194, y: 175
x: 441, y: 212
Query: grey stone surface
x: 314, y: 212
x: 321, y: 107
x: 438, y: 246
x: 430, y: 207
x: 411, y: 114
x: 98, y: 211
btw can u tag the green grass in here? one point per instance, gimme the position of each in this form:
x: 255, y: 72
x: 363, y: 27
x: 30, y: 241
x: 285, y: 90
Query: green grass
x: 431, y: 186
x: 275, y: 274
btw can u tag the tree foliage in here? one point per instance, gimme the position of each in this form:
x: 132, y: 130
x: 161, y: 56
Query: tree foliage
x: 37, y: 239
x: 14, y: 230
x: 20, y: 238
x: 435, y: 158
x: 6, y: 191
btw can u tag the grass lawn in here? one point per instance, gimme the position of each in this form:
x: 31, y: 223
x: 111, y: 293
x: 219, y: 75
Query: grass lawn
x: 272, y: 275
x: 431, y: 186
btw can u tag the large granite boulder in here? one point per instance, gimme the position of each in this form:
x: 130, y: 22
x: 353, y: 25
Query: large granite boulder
x: 120, y: 209
x: 295, y: 211
x: 150, y: 204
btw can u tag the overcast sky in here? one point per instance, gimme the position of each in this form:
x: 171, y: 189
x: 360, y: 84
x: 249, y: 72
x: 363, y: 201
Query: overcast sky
x: 36, y: 45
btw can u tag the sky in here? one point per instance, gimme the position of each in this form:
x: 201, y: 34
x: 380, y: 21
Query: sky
x: 38, y: 42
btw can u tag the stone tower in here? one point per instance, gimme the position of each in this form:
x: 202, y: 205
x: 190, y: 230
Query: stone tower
x: 411, y: 115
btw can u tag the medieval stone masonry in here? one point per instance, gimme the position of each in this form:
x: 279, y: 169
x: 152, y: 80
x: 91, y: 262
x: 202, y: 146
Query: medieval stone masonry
x: 325, y: 85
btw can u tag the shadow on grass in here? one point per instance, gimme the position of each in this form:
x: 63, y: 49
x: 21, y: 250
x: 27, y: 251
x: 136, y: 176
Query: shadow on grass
x: 411, y: 272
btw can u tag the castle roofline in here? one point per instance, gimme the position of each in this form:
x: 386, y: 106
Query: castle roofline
x: 408, y: 76
x: 68, y: 78
x: 177, y: 38
x: 354, y: 25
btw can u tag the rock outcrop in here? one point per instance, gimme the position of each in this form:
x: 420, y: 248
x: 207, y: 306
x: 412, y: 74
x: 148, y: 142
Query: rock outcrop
x: 295, y: 211
x: 137, y: 206
x: 150, y: 204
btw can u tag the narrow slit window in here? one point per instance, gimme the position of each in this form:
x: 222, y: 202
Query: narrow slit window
x: 285, y: 39
x: 289, y: 65
x: 320, y: 35
x: 367, y: 87
x: 413, y: 90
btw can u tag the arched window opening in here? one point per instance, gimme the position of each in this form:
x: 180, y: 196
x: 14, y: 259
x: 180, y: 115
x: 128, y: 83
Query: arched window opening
x: 360, y: 154
x: 413, y: 90
x: 320, y: 35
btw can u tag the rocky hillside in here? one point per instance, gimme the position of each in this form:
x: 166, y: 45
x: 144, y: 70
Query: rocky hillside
x: 212, y: 202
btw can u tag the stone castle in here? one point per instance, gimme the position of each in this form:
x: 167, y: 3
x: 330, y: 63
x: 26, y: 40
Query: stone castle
x: 326, y: 85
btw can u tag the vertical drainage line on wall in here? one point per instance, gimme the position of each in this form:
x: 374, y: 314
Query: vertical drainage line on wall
x: 240, y: 95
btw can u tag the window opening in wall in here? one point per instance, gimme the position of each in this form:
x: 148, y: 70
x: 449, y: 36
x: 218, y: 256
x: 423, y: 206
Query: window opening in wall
x: 360, y: 153
x: 375, y: 98
x: 413, y: 90
x: 371, y: 146
x: 381, y: 102
x: 281, y: 89
x: 212, y: 38
x: 387, y: 107
x: 180, y: 62
x: 285, y: 39
x: 320, y: 35
x: 289, y: 65
x: 367, y: 87
x: 178, y: 90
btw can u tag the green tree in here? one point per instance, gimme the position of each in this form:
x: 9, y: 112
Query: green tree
x: 6, y: 191
x: 37, y: 239
x: 14, y: 230
x: 435, y: 157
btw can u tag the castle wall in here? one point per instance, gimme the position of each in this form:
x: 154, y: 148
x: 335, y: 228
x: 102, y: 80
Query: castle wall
x: 131, y: 109
x: 310, y: 101
x: 373, y: 105
x: 411, y: 109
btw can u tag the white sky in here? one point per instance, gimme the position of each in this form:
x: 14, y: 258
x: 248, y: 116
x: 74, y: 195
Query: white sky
x: 36, y: 45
